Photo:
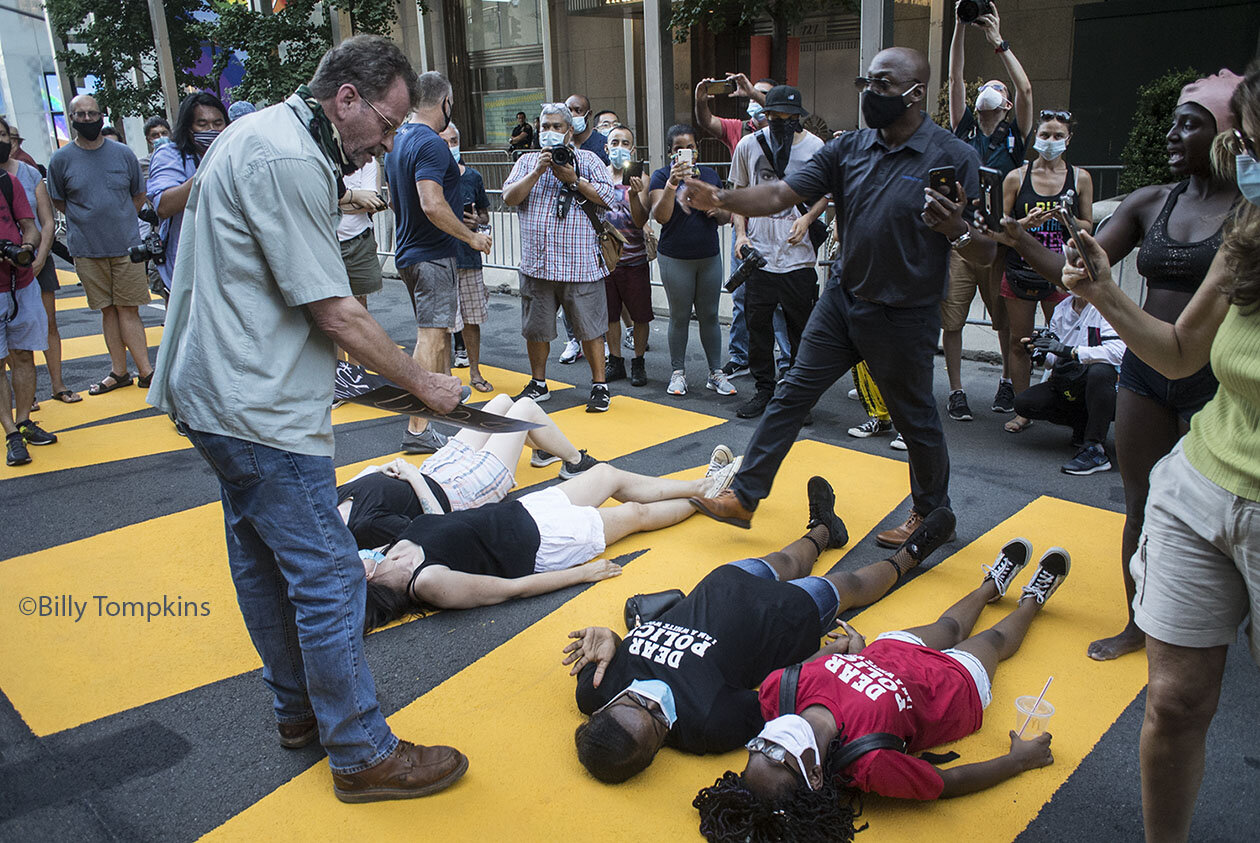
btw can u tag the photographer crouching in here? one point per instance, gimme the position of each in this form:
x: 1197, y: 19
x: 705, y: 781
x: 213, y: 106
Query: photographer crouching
x: 1082, y: 354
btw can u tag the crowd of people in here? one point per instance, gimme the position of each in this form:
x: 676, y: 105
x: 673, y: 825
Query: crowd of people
x: 257, y: 226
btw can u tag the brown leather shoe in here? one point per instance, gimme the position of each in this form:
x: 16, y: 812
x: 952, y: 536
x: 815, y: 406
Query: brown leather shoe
x: 299, y: 734
x: 725, y: 508
x: 897, y: 536
x: 409, y: 771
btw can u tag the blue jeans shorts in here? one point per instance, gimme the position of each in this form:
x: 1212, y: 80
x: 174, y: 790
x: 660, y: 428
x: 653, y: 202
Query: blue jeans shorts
x: 821, y: 590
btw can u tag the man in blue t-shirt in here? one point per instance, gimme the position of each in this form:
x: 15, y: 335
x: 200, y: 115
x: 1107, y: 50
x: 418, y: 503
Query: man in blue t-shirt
x: 425, y: 193
x: 585, y: 135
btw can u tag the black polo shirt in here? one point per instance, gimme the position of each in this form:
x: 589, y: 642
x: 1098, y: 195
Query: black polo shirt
x: 887, y: 254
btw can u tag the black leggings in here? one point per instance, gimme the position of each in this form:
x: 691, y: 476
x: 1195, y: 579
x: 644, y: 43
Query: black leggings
x: 1090, y: 418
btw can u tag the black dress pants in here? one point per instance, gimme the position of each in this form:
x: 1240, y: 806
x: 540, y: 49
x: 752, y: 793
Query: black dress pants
x: 796, y: 291
x: 1089, y: 416
x: 899, y: 346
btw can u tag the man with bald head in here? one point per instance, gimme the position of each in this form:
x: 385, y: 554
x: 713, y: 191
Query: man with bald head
x: 585, y: 135
x: 896, y: 235
x: 98, y: 186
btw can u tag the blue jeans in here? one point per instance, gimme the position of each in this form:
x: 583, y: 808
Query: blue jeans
x: 820, y: 589
x: 737, y: 344
x: 300, y: 586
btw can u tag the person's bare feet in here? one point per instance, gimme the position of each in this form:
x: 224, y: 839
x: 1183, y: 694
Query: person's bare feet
x: 1130, y: 640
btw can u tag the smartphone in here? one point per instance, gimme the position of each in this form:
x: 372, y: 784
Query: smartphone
x: 633, y: 170
x: 721, y: 86
x: 1068, y: 221
x: 942, y: 180
x: 991, y: 198
x: 385, y: 193
x: 470, y: 208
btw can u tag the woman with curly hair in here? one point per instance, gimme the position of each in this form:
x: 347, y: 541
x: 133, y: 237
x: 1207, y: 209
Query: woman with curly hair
x: 1198, y: 568
x: 916, y: 688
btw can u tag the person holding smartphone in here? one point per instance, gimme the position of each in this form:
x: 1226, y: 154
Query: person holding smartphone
x: 630, y: 282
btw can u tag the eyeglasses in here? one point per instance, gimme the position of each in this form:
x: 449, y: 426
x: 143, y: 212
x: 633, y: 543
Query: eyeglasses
x: 85, y: 115
x: 775, y: 752
x: 390, y: 128
x: 1238, y: 144
x: 879, y: 86
x: 1053, y: 114
x: 650, y: 705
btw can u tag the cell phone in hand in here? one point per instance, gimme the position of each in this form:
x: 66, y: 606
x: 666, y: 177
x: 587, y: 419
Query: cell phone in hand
x: 942, y: 180
x: 991, y: 198
x: 633, y: 170
x: 470, y: 208
x: 1068, y: 221
x: 720, y: 86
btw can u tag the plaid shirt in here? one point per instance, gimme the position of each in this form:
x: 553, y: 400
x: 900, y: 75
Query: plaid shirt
x: 560, y: 249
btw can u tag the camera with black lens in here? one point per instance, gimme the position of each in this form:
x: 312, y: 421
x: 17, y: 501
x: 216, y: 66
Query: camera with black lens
x: 151, y: 247
x: 16, y: 253
x: 752, y: 261
x: 561, y: 155
x: 969, y: 10
x: 1038, y: 355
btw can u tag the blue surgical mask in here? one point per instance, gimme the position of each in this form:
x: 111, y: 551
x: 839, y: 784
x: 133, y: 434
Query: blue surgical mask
x: 754, y: 110
x: 375, y: 557
x: 548, y: 138
x: 579, y: 124
x: 655, y: 690
x: 620, y: 156
x: 455, y: 152
x: 161, y: 142
x: 1247, y: 170
x: 1049, y: 149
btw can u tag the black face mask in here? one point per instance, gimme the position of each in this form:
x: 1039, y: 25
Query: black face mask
x: 90, y: 131
x: 881, y: 110
x: 6, y: 149
x: 446, y: 115
x: 782, y: 131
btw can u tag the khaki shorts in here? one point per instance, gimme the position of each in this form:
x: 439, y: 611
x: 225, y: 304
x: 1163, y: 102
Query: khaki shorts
x: 584, y: 302
x: 1197, y: 566
x: 113, y: 282
x: 965, y: 278
x: 362, y: 265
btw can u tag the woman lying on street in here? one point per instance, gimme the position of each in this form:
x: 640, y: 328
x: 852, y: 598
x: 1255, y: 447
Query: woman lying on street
x: 528, y: 546
x: 470, y: 470
x: 1178, y: 227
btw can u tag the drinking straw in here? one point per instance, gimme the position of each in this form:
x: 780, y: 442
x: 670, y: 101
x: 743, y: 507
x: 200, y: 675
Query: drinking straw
x: 1035, y: 706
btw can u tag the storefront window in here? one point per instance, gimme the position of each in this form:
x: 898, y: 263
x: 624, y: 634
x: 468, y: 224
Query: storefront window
x: 504, y: 43
x: 501, y: 24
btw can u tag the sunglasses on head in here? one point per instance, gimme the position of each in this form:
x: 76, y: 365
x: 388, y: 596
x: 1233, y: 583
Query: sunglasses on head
x: 1053, y: 114
x: 774, y: 752
x: 1238, y: 144
x: 650, y: 705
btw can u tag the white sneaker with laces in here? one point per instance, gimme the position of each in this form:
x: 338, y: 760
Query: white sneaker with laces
x: 721, y: 479
x: 719, y: 459
x: 572, y: 352
x: 720, y: 383
x: 1011, y: 559
x: 898, y: 444
x: 677, y: 383
x: 1052, y: 570
x: 871, y: 427
x: 853, y: 394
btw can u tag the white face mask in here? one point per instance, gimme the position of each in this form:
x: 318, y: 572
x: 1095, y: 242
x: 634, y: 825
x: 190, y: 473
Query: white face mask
x: 455, y: 152
x: 989, y: 99
x: 1049, y: 149
x: 793, y: 733
x: 549, y: 138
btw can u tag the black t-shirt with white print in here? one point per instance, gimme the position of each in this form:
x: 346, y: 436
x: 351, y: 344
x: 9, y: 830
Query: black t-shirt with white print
x: 712, y: 648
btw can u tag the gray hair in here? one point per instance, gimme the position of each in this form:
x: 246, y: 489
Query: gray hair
x: 557, y: 108
x: 432, y: 88
x: 368, y: 62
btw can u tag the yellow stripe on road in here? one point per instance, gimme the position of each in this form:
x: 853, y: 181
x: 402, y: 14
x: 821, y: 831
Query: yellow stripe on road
x: 76, y: 348
x: 513, y: 713
x: 66, y: 673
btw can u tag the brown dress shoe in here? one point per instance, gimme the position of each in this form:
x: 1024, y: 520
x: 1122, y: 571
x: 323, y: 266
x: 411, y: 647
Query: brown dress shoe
x: 725, y: 508
x: 299, y: 734
x: 409, y: 771
x: 897, y: 536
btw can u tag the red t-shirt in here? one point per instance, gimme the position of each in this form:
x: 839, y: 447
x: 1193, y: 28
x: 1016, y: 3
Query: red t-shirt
x: 9, y: 230
x: 732, y: 131
x: 919, y: 694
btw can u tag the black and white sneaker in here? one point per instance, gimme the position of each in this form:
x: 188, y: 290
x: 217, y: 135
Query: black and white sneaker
x: 1004, y: 401
x: 871, y: 427
x: 541, y: 459
x: 536, y: 390
x: 572, y: 469
x: 734, y: 370
x: 932, y: 532
x: 1052, y: 570
x: 959, y: 410
x: 1089, y: 460
x: 599, y: 400
x: 1014, y: 555
x: 822, y: 511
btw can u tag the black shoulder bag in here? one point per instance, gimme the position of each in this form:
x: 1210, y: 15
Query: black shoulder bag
x: 642, y: 608
x: 817, y: 228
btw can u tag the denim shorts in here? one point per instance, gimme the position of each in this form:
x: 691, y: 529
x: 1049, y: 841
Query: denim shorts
x: 1184, y: 396
x: 821, y: 590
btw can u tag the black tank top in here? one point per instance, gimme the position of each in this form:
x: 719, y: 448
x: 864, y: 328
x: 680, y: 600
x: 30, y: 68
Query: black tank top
x: 1169, y: 264
x: 1050, y: 232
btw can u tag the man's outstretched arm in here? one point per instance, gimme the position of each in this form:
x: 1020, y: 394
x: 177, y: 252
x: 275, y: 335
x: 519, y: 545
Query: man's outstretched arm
x: 760, y: 201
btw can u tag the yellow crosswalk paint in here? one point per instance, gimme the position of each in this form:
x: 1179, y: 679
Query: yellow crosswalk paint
x: 76, y: 348
x: 55, y: 416
x: 65, y: 304
x: 69, y: 672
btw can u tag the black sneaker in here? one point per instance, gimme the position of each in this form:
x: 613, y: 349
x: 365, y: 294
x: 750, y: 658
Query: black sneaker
x: 754, y: 406
x: 958, y: 408
x: 822, y: 511
x: 1004, y: 401
x: 599, y: 400
x: 735, y: 370
x: 572, y: 469
x: 36, y: 435
x: 871, y: 427
x: 1015, y: 554
x: 536, y: 390
x: 927, y: 538
x: 1052, y: 570
x: 17, y: 453
x: 638, y: 371
x: 540, y: 458
x: 615, y: 369
x: 1090, y: 460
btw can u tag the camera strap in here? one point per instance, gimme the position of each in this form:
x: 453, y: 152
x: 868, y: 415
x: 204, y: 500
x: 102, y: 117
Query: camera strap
x: 564, y: 201
x: 6, y: 187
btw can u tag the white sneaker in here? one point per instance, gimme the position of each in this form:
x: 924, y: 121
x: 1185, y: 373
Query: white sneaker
x: 627, y: 342
x: 461, y: 359
x: 721, y: 480
x: 719, y: 459
x: 898, y: 444
x: 677, y: 383
x: 572, y: 352
x: 720, y: 383
x: 853, y: 396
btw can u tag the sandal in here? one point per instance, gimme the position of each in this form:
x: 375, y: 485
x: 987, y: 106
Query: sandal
x: 1016, y: 426
x: 118, y: 381
x: 481, y: 384
x: 67, y: 396
x: 143, y: 381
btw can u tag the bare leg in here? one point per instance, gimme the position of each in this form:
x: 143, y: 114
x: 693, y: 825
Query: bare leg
x: 798, y: 558
x: 956, y: 623
x: 1021, y: 314
x: 433, y: 353
x: 1002, y: 640
x: 633, y: 517
x: 113, y: 340
x: 22, y: 365
x: 1181, y: 697
x: 472, y: 344
x: 604, y: 481
x: 52, y: 357
x: 131, y: 330
x: 1145, y: 431
x: 614, y: 338
x: 549, y: 437
x: 594, y: 351
x: 641, y: 331
x: 6, y: 401
x: 475, y: 439
x: 538, y: 352
x: 951, y: 344
x: 1004, y: 346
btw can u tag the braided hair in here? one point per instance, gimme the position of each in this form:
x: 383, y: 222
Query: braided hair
x: 731, y: 813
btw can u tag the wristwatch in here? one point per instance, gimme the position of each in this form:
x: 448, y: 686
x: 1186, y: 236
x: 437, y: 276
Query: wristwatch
x: 962, y: 241
x: 1002, y: 47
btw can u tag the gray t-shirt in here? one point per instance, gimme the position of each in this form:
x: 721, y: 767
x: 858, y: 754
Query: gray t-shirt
x: 97, y: 186
x: 241, y: 356
x: 30, y: 179
x: 769, y: 235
